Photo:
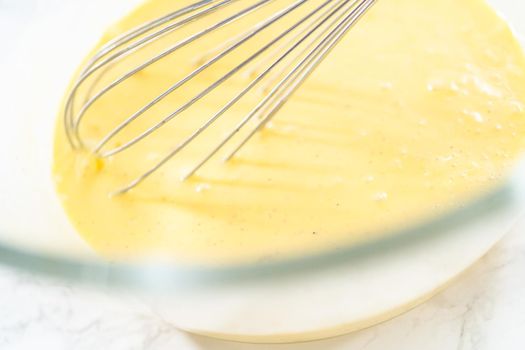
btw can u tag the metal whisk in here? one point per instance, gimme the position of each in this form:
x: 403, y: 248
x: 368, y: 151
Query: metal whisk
x: 293, y: 54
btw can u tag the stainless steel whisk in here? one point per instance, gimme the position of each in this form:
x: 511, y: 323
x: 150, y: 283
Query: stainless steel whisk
x: 293, y: 54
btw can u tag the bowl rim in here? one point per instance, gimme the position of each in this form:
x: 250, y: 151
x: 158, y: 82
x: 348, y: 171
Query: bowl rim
x: 162, y: 277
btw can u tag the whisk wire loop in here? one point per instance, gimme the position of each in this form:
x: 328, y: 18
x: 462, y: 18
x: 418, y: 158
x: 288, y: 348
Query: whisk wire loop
x: 292, y: 55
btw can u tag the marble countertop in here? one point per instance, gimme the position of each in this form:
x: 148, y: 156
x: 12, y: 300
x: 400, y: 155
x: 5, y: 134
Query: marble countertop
x: 483, y: 310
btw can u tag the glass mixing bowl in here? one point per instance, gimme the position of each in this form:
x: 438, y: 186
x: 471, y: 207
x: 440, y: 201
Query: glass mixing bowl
x: 42, y: 43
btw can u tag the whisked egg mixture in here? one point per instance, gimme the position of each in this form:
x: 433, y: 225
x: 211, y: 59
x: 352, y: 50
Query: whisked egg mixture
x: 421, y: 106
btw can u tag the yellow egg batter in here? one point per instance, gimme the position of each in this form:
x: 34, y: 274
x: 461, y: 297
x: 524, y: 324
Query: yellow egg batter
x: 420, y: 106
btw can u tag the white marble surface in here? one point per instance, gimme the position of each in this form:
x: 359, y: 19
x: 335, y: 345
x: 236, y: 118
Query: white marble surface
x: 484, y: 310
